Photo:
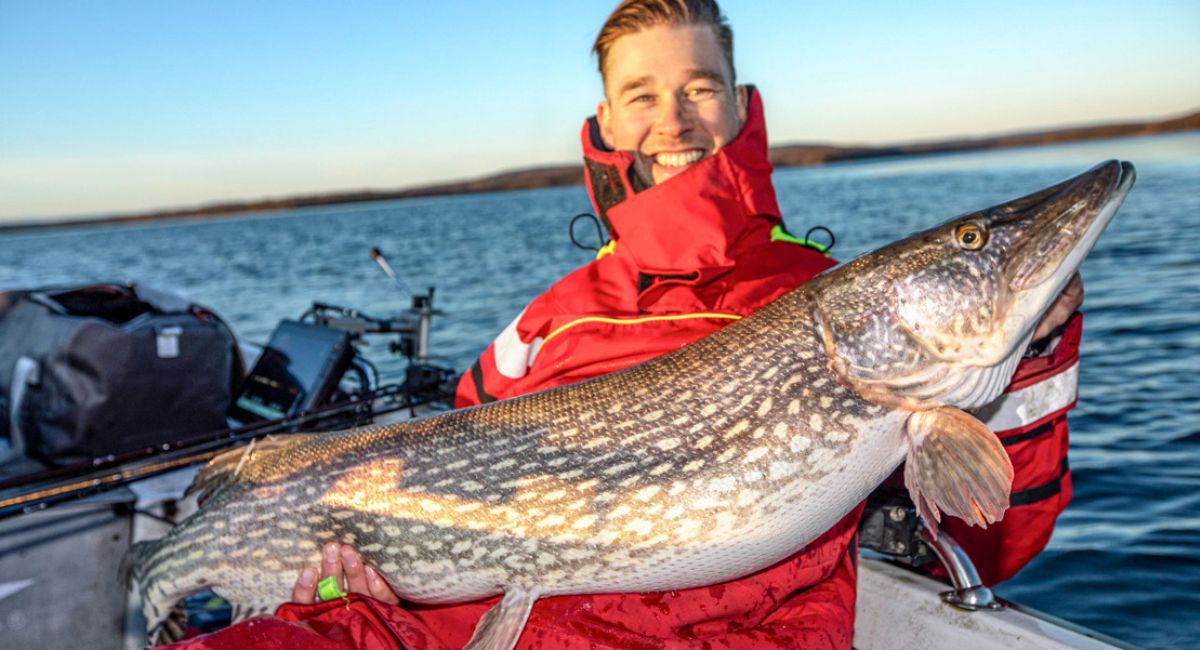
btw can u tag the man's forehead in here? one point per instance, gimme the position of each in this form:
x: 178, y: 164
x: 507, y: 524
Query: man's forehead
x: 665, y: 54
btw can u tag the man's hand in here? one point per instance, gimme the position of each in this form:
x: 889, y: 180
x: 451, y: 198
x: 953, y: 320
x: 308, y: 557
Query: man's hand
x: 353, y: 575
x: 1067, y: 302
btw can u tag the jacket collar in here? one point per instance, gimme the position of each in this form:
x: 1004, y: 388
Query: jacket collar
x: 692, y: 223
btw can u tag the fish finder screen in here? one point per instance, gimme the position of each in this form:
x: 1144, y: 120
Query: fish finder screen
x: 297, y: 369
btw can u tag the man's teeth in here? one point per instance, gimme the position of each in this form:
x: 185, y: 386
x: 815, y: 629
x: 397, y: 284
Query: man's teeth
x: 678, y: 159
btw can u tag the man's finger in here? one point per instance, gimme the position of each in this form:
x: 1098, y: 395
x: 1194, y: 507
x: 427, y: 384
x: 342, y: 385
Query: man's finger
x: 1075, y: 289
x: 331, y: 563
x: 380, y: 589
x: 356, y: 575
x: 305, y: 589
x: 1061, y: 309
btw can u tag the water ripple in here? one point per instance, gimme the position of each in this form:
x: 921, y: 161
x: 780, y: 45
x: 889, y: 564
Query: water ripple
x: 1125, y: 558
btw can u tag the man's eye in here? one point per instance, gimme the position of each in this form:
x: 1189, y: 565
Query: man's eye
x: 701, y: 93
x: 642, y: 99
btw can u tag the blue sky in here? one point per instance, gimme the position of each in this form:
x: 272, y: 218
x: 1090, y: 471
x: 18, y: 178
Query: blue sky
x: 131, y: 105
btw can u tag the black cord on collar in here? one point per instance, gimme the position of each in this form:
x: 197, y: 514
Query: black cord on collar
x: 599, y: 231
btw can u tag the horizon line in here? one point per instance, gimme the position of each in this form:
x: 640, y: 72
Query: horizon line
x: 802, y: 153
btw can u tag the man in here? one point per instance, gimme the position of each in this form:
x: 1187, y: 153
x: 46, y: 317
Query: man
x: 676, y: 166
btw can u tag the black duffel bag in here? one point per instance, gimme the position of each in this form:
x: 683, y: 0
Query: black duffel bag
x: 103, y: 369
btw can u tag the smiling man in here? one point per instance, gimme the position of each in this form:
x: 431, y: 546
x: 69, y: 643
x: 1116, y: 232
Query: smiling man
x: 671, y: 100
x: 676, y: 166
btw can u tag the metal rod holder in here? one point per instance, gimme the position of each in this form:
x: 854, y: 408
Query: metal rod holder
x: 969, y: 592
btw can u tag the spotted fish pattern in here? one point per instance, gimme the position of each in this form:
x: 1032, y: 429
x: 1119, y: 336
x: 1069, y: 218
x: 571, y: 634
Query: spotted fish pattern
x: 695, y: 468
x: 571, y: 487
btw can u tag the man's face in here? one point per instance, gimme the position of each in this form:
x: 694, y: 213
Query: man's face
x: 669, y: 99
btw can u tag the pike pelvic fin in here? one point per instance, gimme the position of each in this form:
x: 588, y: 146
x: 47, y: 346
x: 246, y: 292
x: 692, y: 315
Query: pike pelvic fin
x: 225, y: 467
x: 956, y: 465
x: 501, y: 626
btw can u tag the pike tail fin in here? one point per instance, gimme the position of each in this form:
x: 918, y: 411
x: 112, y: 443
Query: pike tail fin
x: 147, y: 567
x: 956, y: 465
x: 131, y: 565
x: 134, y: 573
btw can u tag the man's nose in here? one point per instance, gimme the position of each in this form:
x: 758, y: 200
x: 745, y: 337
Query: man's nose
x: 675, y: 117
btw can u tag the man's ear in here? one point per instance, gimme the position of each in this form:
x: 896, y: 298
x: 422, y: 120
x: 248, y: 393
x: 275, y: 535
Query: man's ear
x: 604, y: 118
x: 743, y: 103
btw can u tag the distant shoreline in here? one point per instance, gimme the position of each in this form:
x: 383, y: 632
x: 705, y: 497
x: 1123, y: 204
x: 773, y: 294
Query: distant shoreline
x: 572, y: 174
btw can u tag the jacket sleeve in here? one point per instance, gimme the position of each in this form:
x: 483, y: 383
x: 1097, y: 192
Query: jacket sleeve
x: 498, y: 372
x: 477, y: 383
x: 1030, y: 419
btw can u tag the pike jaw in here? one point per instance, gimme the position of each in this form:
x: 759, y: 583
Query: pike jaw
x: 943, y: 317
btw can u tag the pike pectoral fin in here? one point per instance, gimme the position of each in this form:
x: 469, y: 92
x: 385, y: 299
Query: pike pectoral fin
x: 957, y: 466
x: 501, y: 626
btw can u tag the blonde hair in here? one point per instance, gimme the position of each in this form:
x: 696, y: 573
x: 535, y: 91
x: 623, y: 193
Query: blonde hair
x: 632, y: 16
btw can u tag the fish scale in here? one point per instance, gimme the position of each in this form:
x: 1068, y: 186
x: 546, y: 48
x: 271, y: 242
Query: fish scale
x: 610, y: 498
x: 717, y: 460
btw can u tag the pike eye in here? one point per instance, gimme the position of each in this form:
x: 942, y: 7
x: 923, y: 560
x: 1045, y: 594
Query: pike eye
x: 970, y: 237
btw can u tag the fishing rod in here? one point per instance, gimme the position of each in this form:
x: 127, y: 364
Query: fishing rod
x: 389, y: 271
x: 123, y: 469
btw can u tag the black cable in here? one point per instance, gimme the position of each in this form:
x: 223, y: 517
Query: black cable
x: 599, y: 231
x: 827, y: 247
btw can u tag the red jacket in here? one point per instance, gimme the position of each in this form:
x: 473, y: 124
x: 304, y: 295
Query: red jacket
x: 690, y: 256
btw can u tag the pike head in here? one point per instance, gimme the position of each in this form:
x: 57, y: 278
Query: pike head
x: 943, y: 317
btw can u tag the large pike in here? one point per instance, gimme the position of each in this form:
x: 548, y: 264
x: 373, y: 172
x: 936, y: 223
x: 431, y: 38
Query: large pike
x: 695, y: 468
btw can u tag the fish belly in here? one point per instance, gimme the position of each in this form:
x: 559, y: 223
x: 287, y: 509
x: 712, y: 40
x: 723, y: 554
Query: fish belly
x: 771, y: 530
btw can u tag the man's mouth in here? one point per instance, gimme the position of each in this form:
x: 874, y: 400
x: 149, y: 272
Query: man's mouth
x: 678, y: 158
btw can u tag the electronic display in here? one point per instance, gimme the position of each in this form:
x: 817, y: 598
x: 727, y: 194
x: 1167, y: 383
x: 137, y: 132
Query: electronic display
x: 298, y: 369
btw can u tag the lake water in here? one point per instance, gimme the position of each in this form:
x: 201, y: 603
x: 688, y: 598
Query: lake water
x: 1125, y: 557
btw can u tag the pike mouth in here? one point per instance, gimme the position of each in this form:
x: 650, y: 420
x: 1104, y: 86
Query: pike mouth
x: 1072, y: 217
x: 1065, y: 234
